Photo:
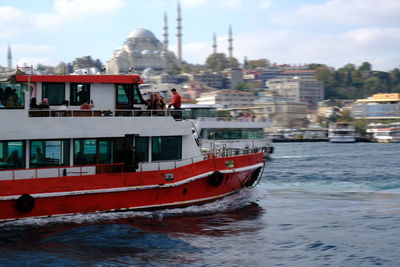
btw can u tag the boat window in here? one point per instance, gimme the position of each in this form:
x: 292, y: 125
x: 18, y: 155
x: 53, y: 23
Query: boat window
x: 80, y: 92
x: 12, y: 154
x: 85, y: 152
x: 54, y: 92
x: 166, y: 148
x: 46, y: 153
x: 122, y: 94
x: 11, y: 95
x: 137, y: 96
x: 234, y: 133
x: 141, y: 149
x: 92, y: 151
x: 106, y: 149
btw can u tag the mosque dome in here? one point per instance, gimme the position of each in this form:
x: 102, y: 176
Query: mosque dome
x: 142, y: 33
x: 148, y: 73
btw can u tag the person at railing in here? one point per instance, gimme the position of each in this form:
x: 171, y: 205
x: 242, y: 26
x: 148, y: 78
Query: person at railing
x: 150, y: 101
x: 158, y: 104
x: 64, y: 105
x: 176, y: 100
x: 44, y: 104
x: 33, y: 104
x: 87, y: 105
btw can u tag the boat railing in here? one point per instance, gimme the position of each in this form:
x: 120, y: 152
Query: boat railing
x: 176, y: 114
x: 63, y: 171
x: 49, y: 172
x: 212, y: 153
x: 233, y: 119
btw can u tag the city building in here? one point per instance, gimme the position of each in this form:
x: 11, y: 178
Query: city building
x: 378, y: 106
x: 298, y: 89
x: 227, y: 98
x: 283, y: 112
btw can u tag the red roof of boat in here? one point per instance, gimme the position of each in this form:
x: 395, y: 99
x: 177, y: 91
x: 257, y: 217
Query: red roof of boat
x: 81, y: 78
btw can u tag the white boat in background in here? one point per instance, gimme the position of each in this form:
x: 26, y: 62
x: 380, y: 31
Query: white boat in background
x: 228, y: 131
x: 342, y: 132
x: 384, y: 132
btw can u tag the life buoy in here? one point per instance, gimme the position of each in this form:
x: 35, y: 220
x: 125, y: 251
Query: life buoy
x: 253, y: 178
x: 216, y: 179
x: 25, y: 203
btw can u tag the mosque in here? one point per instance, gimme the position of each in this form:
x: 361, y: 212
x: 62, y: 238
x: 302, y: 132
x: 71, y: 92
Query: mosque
x: 142, y: 52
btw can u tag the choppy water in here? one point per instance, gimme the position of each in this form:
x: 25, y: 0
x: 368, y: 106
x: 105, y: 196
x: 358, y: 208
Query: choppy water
x: 319, y: 204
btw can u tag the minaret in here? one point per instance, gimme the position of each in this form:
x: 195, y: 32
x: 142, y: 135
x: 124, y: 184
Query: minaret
x: 165, y: 32
x: 9, y: 58
x: 179, y: 33
x: 215, y: 44
x: 230, y: 40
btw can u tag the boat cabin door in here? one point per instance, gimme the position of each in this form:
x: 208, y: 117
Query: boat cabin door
x: 128, y: 96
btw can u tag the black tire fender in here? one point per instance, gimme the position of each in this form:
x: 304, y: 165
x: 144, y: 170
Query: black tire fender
x: 253, y: 177
x: 216, y: 179
x: 25, y: 203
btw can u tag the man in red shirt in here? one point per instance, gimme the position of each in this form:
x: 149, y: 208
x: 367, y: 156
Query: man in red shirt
x: 176, y: 101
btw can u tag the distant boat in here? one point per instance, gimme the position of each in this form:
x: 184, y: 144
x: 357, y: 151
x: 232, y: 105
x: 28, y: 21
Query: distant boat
x: 235, y: 132
x: 341, y: 132
x: 384, y: 132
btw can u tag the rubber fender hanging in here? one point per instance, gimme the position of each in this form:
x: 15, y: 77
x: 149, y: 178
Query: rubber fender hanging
x: 216, y: 179
x: 253, y: 177
x: 271, y: 150
x: 25, y: 203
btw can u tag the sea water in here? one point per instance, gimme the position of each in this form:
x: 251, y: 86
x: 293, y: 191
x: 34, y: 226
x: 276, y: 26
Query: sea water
x: 318, y: 204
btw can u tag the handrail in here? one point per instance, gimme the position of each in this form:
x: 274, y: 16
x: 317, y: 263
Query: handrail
x: 177, y: 114
x: 81, y: 170
x: 61, y: 171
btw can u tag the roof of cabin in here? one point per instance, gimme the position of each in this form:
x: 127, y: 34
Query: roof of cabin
x: 80, y: 78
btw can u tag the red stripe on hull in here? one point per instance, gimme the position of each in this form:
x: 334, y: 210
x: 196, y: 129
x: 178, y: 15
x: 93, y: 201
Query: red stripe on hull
x: 181, y: 191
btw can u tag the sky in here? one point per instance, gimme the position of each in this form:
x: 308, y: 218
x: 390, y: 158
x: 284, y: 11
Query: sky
x: 331, y: 32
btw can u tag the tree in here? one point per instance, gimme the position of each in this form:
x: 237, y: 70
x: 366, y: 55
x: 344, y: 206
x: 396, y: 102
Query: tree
x: 365, y: 66
x: 258, y: 63
x: 86, y: 62
x: 217, y: 62
x: 245, y: 86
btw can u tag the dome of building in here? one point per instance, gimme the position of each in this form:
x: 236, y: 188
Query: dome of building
x: 142, y: 34
x: 148, y: 73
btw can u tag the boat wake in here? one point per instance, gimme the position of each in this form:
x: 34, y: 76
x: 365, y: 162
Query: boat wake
x: 229, y: 203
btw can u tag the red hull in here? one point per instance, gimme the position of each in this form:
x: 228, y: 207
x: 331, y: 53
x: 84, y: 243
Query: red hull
x: 131, y: 190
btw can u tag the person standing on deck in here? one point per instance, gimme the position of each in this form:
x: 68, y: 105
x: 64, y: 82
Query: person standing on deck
x: 176, y: 100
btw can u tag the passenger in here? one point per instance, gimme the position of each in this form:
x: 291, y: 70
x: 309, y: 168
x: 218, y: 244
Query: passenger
x: 44, y: 104
x: 87, y: 105
x: 176, y: 100
x: 64, y: 105
x: 34, y: 104
x: 39, y: 155
x: 158, y: 104
x: 149, y: 102
x: 13, y: 159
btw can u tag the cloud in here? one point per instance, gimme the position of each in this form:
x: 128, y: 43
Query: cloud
x: 78, y: 8
x: 379, y: 46
x: 11, y: 21
x: 344, y: 12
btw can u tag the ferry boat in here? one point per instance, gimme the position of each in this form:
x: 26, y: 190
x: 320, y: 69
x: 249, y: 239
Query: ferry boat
x: 216, y: 131
x: 384, y: 132
x: 341, y: 132
x: 114, y: 156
